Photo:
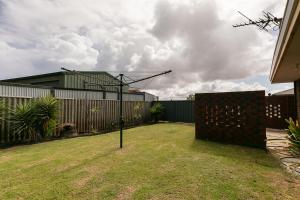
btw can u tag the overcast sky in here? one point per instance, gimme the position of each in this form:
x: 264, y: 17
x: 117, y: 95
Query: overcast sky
x: 195, y: 39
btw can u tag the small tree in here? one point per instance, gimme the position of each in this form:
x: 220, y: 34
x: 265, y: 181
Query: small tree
x: 294, y: 135
x: 156, y: 111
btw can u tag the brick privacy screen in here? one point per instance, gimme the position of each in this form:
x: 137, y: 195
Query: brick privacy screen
x: 279, y: 108
x: 233, y: 117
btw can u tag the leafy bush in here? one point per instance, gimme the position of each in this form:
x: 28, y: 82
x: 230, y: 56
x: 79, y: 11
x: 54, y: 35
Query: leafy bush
x: 35, y: 119
x: 294, y: 135
x: 137, y: 112
x: 23, y: 119
x: 156, y: 111
x: 46, y: 110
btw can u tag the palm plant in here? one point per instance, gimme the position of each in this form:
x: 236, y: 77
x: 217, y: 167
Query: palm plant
x: 23, y: 119
x: 294, y: 135
x: 35, y: 119
x: 46, y: 111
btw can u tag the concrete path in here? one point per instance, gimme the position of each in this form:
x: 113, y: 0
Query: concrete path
x: 277, y: 144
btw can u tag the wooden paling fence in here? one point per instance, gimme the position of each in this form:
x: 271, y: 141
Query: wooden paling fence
x: 86, y: 115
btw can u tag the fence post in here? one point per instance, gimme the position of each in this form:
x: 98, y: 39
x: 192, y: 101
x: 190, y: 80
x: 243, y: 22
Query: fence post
x: 104, y: 94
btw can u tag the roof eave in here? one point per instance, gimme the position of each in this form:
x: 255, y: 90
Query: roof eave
x: 284, y: 37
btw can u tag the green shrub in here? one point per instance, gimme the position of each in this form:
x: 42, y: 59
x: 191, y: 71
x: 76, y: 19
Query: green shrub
x: 156, y: 111
x: 35, y: 119
x: 294, y: 135
x: 46, y: 110
x: 23, y: 119
x: 137, y: 113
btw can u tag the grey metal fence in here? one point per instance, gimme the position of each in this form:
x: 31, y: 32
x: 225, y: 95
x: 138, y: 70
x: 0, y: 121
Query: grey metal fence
x: 178, y: 111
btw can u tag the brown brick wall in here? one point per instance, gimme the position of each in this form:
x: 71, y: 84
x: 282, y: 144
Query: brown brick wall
x: 233, y: 117
x: 279, y: 108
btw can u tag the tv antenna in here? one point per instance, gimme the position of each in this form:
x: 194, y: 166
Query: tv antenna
x: 268, y: 22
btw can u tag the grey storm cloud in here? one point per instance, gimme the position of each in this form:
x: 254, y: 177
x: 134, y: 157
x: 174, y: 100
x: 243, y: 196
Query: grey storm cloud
x: 193, y: 38
x: 213, y: 49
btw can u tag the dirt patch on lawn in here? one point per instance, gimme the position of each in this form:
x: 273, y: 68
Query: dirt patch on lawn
x: 91, y: 173
x: 64, y: 167
x: 36, y: 163
x: 126, y: 193
x: 5, y: 159
x: 289, y: 185
x: 125, y: 150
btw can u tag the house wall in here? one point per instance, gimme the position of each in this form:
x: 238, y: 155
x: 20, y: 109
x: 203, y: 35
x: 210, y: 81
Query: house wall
x: 297, y: 97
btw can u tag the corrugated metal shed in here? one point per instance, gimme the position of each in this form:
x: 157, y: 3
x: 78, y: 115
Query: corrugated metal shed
x: 150, y: 97
x: 21, y: 91
x: 133, y: 97
x: 27, y: 91
x: 93, y: 81
x: 111, y: 95
x: 80, y: 86
x: 77, y: 94
x: 85, y: 80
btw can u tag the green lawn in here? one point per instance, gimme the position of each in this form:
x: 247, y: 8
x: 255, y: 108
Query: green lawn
x: 161, y: 161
